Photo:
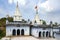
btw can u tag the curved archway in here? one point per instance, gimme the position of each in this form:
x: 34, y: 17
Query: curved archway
x: 47, y: 34
x: 18, y: 32
x: 22, y: 32
x: 14, y: 32
x: 43, y: 33
x: 39, y: 34
x: 53, y: 35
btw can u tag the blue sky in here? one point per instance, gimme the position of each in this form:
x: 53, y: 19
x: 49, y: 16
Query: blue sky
x: 49, y: 10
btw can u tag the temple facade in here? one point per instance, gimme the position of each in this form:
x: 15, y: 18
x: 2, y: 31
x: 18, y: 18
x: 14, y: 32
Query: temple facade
x: 35, y: 28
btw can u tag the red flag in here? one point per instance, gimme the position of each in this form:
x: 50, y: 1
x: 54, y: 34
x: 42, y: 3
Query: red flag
x: 35, y: 7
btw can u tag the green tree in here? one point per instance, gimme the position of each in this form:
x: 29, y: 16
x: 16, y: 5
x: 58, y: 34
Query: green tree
x: 2, y: 34
x: 10, y: 19
x: 51, y: 22
x: 44, y: 22
x: 56, y: 23
x: 3, y: 24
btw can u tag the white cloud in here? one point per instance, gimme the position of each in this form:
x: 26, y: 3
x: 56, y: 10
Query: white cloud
x: 50, y: 5
x: 21, y: 2
x: 10, y: 1
x: 2, y: 12
x: 46, y: 6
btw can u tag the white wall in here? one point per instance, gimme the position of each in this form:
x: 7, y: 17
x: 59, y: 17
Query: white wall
x: 9, y: 30
x: 35, y: 31
x: 55, y: 30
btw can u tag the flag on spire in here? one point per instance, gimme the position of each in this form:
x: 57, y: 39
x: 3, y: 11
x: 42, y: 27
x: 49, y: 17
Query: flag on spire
x: 36, y: 7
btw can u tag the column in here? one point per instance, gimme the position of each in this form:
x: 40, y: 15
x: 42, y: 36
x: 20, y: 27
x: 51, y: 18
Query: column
x: 16, y: 32
x: 48, y: 34
x: 51, y: 33
x: 41, y: 34
x: 10, y: 32
x: 45, y: 34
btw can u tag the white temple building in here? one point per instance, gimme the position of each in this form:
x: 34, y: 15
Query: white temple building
x: 35, y: 28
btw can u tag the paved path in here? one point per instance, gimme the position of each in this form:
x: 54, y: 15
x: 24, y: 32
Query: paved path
x: 27, y: 38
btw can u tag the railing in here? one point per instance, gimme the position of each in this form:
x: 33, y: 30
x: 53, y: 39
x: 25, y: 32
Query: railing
x: 15, y: 23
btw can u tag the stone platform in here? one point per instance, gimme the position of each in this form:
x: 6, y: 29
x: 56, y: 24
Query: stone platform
x: 26, y: 38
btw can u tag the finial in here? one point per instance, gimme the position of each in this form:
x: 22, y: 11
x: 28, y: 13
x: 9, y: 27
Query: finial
x: 36, y: 7
x: 17, y: 3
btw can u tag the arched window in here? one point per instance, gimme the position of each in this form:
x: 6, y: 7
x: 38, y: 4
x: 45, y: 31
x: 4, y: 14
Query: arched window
x: 18, y: 32
x: 39, y: 34
x: 53, y: 35
x: 14, y: 32
x: 43, y: 34
x: 47, y: 34
x: 22, y: 32
x: 35, y: 21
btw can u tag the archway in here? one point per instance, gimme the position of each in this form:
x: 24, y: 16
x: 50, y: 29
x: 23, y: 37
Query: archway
x: 43, y: 34
x: 18, y: 32
x: 53, y: 34
x: 14, y: 32
x: 39, y: 34
x: 47, y: 34
x: 22, y: 32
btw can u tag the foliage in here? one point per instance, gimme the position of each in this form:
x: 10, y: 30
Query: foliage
x: 3, y: 24
x: 10, y: 19
x: 2, y: 33
x: 56, y: 23
x: 44, y: 22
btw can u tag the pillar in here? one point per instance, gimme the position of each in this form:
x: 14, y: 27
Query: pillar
x: 48, y: 34
x: 16, y: 32
x: 51, y: 33
x: 45, y: 34
x: 41, y: 34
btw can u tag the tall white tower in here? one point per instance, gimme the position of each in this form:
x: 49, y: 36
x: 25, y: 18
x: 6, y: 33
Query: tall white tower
x: 17, y: 15
x: 36, y: 19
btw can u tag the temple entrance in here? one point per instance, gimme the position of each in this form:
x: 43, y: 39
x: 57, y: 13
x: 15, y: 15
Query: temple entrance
x: 39, y: 34
x: 22, y: 32
x: 18, y: 32
x: 14, y: 32
x: 53, y: 34
x: 47, y: 34
x: 43, y: 34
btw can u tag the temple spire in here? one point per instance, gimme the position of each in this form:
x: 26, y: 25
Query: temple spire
x: 37, y: 16
x: 36, y: 8
x: 17, y: 3
x: 17, y: 15
x: 36, y: 19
